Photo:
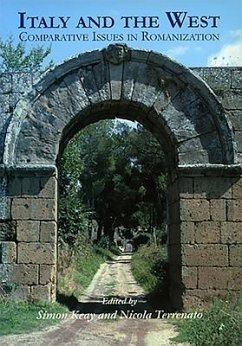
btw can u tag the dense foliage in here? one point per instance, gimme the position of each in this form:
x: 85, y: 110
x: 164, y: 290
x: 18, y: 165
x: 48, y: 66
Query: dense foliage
x: 115, y: 174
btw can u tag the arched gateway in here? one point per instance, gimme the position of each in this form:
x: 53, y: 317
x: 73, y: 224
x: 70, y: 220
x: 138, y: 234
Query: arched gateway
x: 204, y: 195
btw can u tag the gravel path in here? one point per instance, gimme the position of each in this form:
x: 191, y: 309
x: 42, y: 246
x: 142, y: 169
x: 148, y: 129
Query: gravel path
x: 113, y: 311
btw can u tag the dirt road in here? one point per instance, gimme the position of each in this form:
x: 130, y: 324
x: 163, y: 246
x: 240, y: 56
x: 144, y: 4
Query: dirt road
x: 113, y: 311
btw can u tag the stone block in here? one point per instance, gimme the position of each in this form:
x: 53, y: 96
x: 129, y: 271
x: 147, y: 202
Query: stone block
x: 30, y: 186
x: 21, y: 293
x: 205, y: 255
x: 48, y: 232
x: 22, y: 81
x: 218, y: 209
x: 212, y: 187
x: 41, y: 292
x: 186, y: 188
x: 235, y: 280
x: 235, y: 117
x: 213, y: 277
x: 25, y: 274
x: 48, y: 187
x: 7, y: 252
x: 5, y: 272
x: 231, y: 232
x: 36, y: 253
x: 235, y: 255
x: 189, y: 277
x: 187, y: 232
x: 4, y: 208
x: 15, y: 186
x: 234, y: 210
x: 116, y: 72
x: 194, y: 210
x: 232, y: 99
x: 33, y: 209
x: 201, y: 297
x: 8, y: 231
x: 28, y: 231
x: 236, y: 79
x: 207, y: 232
x: 47, y: 274
x: 237, y: 187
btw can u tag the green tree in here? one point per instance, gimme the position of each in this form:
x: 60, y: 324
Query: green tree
x: 15, y: 58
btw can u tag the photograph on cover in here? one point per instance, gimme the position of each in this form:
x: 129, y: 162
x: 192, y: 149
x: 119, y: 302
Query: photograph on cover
x: 120, y: 172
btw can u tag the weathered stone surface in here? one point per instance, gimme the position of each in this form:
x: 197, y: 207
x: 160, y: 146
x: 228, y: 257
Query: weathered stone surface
x: 225, y: 278
x: 205, y: 255
x: 235, y: 255
x: 36, y: 253
x: 207, y: 232
x: 4, y: 208
x: 47, y: 274
x: 218, y: 187
x: 15, y: 186
x: 33, y: 209
x: 48, y: 187
x: 7, y: 252
x: 178, y: 108
x: 186, y: 188
x: 198, y: 297
x: 218, y: 209
x: 48, y: 232
x: 30, y: 186
x: 41, y: 292
x: 237, y: 188
x: 21, y: 293
x: 25, y: 274
x: 28, y: 231
x: 213, y: 277
x: 231, y: 232
x: 234, y: 210
x: 236, y: 78
x: 189, y: 277
x: 194, y: 210
x: 187, y: 230
x: 8, y: 231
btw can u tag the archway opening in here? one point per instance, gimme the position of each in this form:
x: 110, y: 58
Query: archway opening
x: 113, y: 182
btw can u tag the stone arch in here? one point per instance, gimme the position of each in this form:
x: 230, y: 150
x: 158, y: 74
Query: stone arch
x: 192, y: 127
x: 178, y: 106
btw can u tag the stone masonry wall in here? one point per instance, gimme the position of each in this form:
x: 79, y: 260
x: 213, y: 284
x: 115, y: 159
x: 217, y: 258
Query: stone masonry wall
x: 28, y: 252
x: 205, y: 239
x: 226, y: 82
x: 211, y: 235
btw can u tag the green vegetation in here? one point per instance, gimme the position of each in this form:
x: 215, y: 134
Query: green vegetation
x: 149, y: 268
x: 221, y: 325
x: 15, y: 58
x: 22, y: 317
x: 115, y: 174
x: 77, y: 276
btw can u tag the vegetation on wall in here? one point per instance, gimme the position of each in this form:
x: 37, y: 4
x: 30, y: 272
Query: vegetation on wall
x: 16, y: 58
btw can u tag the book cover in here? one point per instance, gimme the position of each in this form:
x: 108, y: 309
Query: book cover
x: 120, y: 172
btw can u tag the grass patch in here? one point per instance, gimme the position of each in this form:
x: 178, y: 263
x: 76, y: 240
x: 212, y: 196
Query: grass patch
x: 78, y: 276
x: 221, y: 325
x: 22, y: 317
x: 149, y: 267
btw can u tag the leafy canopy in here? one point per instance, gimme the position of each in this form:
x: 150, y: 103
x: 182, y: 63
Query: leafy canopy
x: 15, y: 58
